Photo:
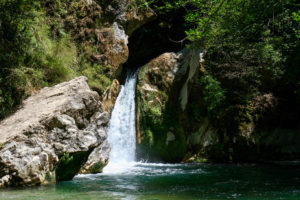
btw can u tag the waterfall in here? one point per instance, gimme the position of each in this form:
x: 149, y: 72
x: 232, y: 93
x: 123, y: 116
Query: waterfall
x: 122, y: 128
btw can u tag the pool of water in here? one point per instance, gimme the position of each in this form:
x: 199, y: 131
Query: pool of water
x: 172, y: 182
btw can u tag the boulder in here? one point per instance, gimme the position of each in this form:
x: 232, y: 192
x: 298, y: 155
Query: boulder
x: 55, y: 134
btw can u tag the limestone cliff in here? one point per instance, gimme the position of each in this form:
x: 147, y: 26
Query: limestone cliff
x: 162, y: 95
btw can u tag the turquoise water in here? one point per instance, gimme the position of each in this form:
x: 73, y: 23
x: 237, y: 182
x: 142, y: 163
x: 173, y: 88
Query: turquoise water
x: 159, y: 181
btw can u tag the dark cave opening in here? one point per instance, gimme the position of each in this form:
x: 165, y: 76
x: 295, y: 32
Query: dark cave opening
x: 153, y: 39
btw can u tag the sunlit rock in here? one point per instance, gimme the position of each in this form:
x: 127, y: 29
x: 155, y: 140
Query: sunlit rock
x: 54, y: 133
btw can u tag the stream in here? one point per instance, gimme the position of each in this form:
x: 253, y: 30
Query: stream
x: 144, y: 181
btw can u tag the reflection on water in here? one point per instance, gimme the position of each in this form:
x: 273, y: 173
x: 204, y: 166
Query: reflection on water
x: 163, y: 181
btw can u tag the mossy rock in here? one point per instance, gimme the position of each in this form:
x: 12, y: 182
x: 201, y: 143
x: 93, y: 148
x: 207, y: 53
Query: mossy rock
x: 96, y: 168
x: 70, y: 164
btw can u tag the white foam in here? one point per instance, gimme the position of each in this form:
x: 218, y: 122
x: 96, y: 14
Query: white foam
x: 122, y: 130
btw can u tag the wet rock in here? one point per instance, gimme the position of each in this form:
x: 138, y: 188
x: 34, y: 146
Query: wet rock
x: 110, y: 96
x: 163, y: 90
x: 204, y: 137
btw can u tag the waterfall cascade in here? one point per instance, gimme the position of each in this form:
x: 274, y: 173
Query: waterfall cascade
x: 122, y: 128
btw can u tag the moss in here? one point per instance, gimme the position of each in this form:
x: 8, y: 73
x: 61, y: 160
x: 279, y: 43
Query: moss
x: 97, y: 79
x: 154, y: 128
x: 175, y: 150
x: 1, y: 145
x: 138, y: 4
x: 70, y: 164
x: 156, y: 121
x: 97, y: 168
x: 147, y: 138
x: 142, y: 73
x: 50, y: 177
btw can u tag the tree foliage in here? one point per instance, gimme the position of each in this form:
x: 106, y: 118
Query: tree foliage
x: 37, y: 50
x: 252, y: 46
x: 16, y: 20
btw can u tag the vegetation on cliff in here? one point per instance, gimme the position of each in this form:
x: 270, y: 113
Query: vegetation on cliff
x: 251, y: 47
x: 41, y: 45
x: 247, y: 92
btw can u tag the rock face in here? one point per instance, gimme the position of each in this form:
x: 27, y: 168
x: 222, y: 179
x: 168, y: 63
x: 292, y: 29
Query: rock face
x: 173, y: 123
x: 103, y: 28
x: 162, y: 93
x: 110, y: 96
x: 136, y: 16
x: 123, y: 18
x: 58, y: 132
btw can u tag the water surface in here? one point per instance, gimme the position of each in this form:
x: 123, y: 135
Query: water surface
x: 172, y: 182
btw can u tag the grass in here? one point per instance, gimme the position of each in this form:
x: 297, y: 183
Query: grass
x: 47, y: 61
